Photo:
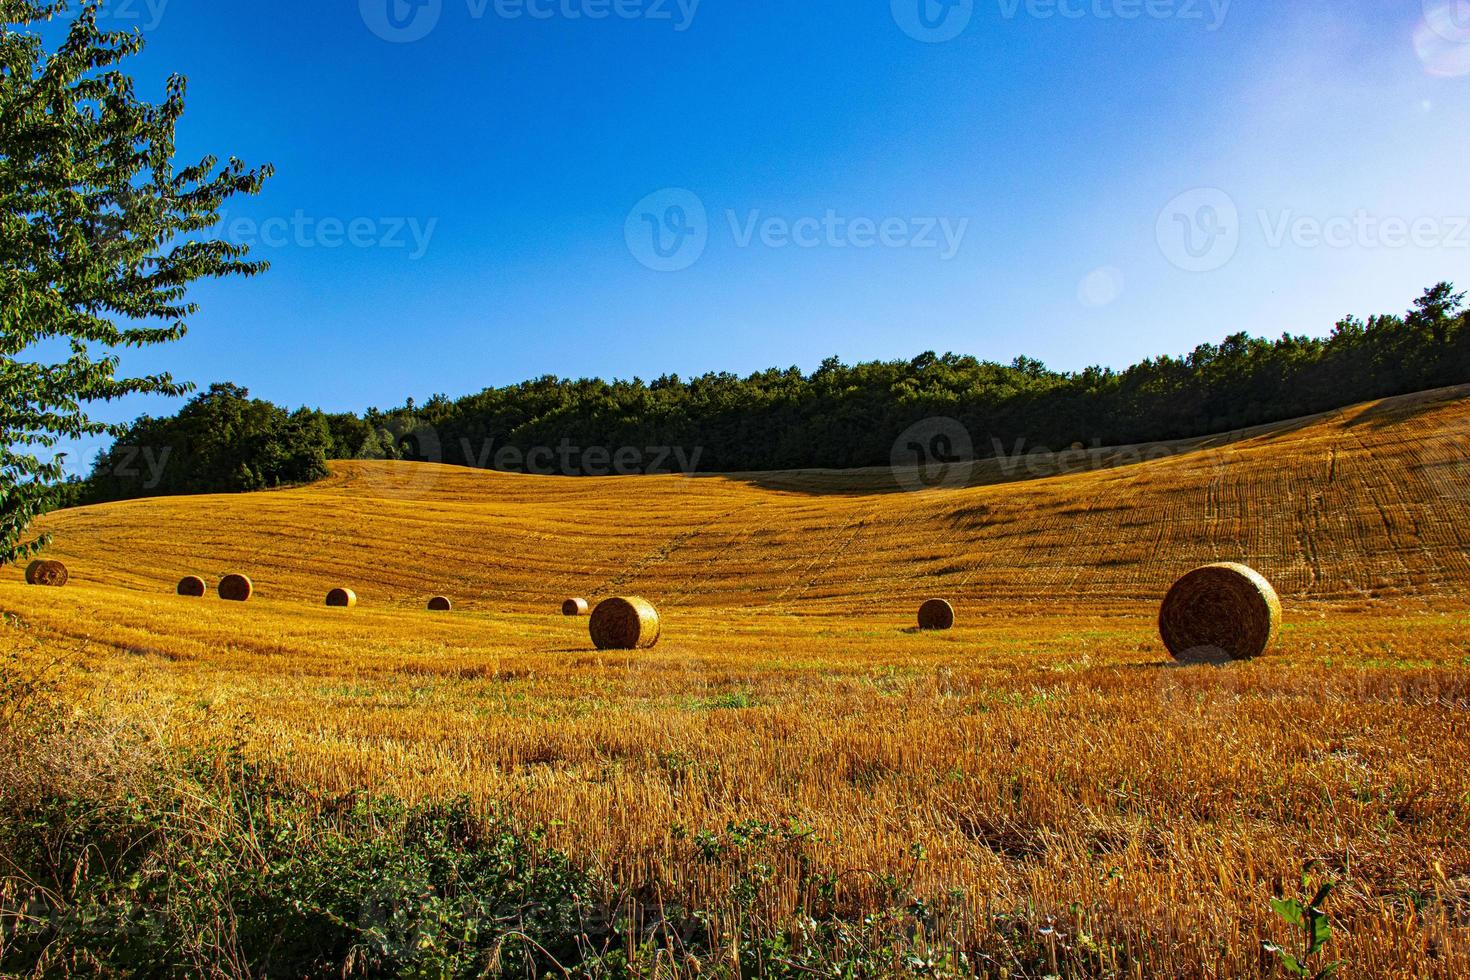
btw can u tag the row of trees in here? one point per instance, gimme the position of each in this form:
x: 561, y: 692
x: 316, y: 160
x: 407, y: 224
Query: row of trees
x: 837, y: 416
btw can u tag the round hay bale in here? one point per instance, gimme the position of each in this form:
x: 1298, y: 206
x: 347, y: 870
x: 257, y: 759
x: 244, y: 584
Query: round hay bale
x: 1219, y: 613
x: 936, y: 614
x: 624, y: 623
x: 47, y: 572
x: 440, y: 604
x: 341, y: 598
x: 236, y: 588
x: 574, y: 607
x: 193, y: 586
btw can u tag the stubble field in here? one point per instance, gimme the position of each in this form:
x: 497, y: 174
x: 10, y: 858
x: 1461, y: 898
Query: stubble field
x: 1041, y: 776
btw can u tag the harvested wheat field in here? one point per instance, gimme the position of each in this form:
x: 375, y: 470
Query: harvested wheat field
x: 1042, y: 776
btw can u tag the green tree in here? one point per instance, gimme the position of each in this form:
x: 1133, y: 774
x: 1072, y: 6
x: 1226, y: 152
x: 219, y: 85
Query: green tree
x: 96, y: 253
x: 223, y: 441
x: 1435, y: 312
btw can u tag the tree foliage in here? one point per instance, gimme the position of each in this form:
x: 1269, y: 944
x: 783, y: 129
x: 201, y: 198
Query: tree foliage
x: 98, y: 242
x: 223, y: 441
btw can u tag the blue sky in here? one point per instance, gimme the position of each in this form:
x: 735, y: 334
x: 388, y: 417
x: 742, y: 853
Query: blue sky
x: 1081, y: 181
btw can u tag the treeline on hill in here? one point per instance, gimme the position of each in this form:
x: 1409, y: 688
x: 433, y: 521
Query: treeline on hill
x: 838, y: 416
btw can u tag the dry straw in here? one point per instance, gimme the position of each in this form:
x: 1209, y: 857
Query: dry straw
x: 193, y: 586
x: 574, y: 607
x: 1218, y: 613
x: 936, y: 614
x: 236, y: 588
x: 342, y: 598
x: 48, y: 572
x: 440, y: 604
x: 624, y: 623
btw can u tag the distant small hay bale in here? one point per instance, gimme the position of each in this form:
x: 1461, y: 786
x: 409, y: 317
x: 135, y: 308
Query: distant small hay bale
x: 624, y: 623
x: 1218, y: 613
x: 575, y: 607
x: 236, y: 588
x: 193, y: 586
x: 440, y: 604
x: 341, y: 598
x: 936, y: 614
x: 47, y: 572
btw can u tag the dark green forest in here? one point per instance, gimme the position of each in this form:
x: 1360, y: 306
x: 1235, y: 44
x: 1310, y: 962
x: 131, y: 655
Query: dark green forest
x: 837, y: 416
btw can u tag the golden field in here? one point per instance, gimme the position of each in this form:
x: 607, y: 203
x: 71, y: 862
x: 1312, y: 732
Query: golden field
x: 1042, y: 762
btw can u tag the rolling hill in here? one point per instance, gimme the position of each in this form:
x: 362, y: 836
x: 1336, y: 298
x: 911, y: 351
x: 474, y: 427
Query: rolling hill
x: 1360, y: 504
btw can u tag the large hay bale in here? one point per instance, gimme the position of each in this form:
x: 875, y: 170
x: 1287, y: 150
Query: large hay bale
x: 440, y: 604
x: 236, y: 588
x: 624, y: 623
x: 193, y: 586
x: 341, y: 598
x: 574, y: 607
x: 936, y: 614
x: 1218, y: 613
x: 47, y: 572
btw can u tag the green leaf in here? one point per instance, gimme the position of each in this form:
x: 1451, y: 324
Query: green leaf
x: 1289, y: 909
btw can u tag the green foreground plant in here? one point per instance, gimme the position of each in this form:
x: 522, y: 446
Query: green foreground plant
x: 1306, y: 917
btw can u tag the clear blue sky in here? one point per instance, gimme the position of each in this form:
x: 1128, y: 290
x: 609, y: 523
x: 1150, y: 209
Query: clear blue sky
x: 1067, y: 146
